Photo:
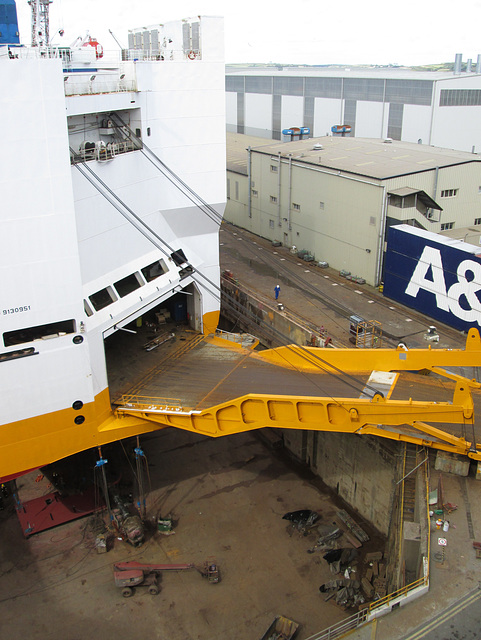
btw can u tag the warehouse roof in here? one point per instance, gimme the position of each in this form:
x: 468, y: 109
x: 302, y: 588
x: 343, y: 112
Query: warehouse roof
x: 344, y: 71
x: 370, y: 157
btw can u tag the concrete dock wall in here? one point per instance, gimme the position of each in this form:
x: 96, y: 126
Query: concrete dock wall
x: 360, y: 469
x: 271, y: 325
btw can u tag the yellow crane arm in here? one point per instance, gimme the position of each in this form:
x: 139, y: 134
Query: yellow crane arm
x: 354, y: 360
x: 345, y: 415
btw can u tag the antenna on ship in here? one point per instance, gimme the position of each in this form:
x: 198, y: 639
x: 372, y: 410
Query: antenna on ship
x: 40, y: 22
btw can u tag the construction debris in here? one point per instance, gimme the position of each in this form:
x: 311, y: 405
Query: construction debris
x: 374, y: 583
x: 327, y: 535
x: 346, y: 593
x: 156, y: 342
x: 302, y: 520
x: 360, y: 534
x: 281, y: 629
x: 340, y: 560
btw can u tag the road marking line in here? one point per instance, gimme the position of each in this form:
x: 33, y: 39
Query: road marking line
x: 444, y: 617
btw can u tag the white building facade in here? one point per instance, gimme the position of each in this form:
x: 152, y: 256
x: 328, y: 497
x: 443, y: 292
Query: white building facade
x: 336, y: 197
x: 434, y: 108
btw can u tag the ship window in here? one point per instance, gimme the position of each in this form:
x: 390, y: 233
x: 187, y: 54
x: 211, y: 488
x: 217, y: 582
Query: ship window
x: 127, y: 285
x: 22, y: 353
x: 41, y: 332
x: 102, y: 298
x: 154, y: 270
x: 87, y: 309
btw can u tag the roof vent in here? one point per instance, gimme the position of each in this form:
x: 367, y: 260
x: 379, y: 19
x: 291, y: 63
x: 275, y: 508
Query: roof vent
x: 317, y: 147
x: 388, y: 140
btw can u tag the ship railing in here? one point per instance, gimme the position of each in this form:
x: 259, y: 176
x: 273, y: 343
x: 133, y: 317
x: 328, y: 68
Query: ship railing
x: 102, y: 152
x: 144, y: 403
x: 80, y: 86
x: 111, y: 57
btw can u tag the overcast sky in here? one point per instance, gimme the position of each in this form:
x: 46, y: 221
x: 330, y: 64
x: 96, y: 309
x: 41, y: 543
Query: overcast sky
x: 299, y: 32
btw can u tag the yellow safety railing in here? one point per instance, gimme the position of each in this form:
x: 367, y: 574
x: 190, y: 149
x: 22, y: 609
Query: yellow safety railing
x: 397, y: 594
x: 150, y: 402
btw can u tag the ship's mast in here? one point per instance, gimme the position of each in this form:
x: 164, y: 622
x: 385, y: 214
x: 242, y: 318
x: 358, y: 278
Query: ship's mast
x: 40, y: 22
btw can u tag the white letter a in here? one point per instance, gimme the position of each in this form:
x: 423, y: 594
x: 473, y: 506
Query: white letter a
x: 430, y: 258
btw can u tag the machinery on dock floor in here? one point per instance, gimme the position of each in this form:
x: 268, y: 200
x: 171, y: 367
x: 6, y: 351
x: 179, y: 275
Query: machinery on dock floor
x: 281, y: 629
x: 128, y: 575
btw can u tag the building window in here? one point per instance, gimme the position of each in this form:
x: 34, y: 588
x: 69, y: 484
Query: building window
x: 236, y: 190
x: 447, y: 225
x: 296, y: 207
x: 271, y: 224
x: 321, y: 205
x: 228, y: 189
x: 274, y: 168
x: 477, y: 220
x: 460, y: 97
x: 273, y: 199
x: 255, y: 193
x: 449, y: 193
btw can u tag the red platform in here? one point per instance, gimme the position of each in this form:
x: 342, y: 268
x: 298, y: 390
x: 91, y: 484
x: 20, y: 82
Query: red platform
x: 53, y: 509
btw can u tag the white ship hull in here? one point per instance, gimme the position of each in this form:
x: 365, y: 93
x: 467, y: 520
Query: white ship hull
x: 75, y: 268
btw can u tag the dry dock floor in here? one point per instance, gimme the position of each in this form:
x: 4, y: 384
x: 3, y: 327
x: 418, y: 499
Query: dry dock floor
x: 228, y: 497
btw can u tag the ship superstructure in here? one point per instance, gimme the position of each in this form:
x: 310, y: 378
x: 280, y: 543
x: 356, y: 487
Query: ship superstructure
x: 112, y: 193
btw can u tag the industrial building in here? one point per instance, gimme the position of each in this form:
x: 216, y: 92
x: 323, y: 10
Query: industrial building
x: 434, y: 108
x: 335, y: 197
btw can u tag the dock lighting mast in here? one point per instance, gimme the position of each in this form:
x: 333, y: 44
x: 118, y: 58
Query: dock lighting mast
x: 40, y: 22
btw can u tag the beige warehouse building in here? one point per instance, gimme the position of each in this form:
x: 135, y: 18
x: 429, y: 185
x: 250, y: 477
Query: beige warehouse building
x: 335, y: 197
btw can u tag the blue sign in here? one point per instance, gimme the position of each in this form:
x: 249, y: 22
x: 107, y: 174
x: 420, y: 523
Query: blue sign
x: 436, y: 275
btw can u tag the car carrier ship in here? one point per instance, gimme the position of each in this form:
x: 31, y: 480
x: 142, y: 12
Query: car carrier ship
x: 112, y: 194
